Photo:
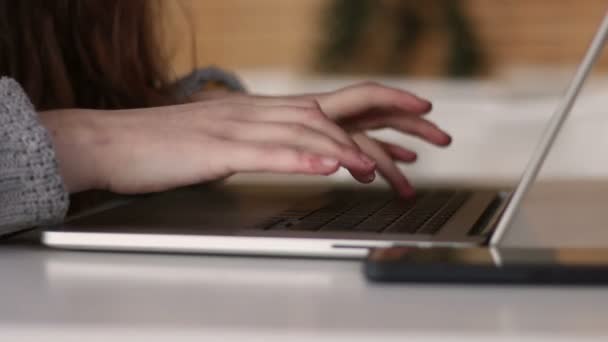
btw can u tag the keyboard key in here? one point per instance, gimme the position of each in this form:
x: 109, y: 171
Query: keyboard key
x: 439, y: 219
x: 269, y: 222
x: 355, y: 215
x: 315, y: 219
x: 423, y: 211
x: 425, y: 214
x: 386, y: 215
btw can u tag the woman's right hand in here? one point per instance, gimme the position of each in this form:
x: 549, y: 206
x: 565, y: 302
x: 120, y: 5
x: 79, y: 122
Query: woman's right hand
x: 156, y: 149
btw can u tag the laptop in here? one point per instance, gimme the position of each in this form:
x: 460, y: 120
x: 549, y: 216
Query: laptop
x: 313, y: 220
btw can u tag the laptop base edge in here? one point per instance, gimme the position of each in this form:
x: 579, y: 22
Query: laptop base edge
x: 227, y: 245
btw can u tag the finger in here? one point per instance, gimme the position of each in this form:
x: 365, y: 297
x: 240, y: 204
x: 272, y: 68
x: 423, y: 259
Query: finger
x: 307, y: 112
x: 409, y: 124
x: 294, y: 136
x: 397, y: 152
x: 273, y: 101
x: 317, y: 120
x: 386, y: 166
x: 264, y: 158
x: 311, y: 117
x: 356, y: 99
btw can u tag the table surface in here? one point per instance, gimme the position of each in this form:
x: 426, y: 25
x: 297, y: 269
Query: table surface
x: 47, y: 294
x: 115, y: 296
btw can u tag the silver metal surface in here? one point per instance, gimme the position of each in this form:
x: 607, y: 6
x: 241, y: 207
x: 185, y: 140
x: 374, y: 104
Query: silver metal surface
x: 216, y: 220
x: 551, y: 132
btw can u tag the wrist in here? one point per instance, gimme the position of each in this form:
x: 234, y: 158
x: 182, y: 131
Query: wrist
x: 75, y: 134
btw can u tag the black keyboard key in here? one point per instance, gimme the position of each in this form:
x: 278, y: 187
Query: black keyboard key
x: 433, y: 225
x: 422, y: 212
x: 355, y: 215
x: 267, y: 223
x: 425, y: 214
x: 287, y: 217
x: 386, y: 215
x: 315, y: 219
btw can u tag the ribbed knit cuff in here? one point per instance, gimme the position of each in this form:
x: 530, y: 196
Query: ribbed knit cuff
x: 32, y: 192
x: 198, y: 79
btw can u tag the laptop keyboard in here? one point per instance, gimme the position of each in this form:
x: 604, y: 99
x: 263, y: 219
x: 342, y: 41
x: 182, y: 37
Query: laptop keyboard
x: 425, y: 214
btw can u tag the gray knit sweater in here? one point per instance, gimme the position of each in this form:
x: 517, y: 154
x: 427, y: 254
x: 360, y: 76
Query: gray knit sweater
x: 32, y: 192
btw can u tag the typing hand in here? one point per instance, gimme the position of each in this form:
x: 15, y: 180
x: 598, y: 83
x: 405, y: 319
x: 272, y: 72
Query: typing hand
x: 372, y: 106
x: 363, y: 107
x: 155, y: 149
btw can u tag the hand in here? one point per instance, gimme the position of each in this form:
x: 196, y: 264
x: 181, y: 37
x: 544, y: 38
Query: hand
x: 368, y: 106
x: 155, y: 149
x: 372, y: 106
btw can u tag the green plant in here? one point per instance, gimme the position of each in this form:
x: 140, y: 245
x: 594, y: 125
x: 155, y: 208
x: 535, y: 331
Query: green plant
x: 346, y: 21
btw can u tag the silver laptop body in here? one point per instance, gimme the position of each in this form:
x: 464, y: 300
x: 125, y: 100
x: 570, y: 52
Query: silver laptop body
x: 312, y: 220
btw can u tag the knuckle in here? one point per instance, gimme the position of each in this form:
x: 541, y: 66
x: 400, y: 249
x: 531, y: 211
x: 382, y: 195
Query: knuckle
x: 276, y: 153
x: 265, y: 157
x: 291, y: 159
x: 227, y: 130
x: 344, y: 135
x: 296, y: 130
x: 313, y: 114
x: 279, y: 110
x: 338, y: 148
x: 299, y: 159
x: 372, y: 89
x: 311, y: 103
x: 370, y: 84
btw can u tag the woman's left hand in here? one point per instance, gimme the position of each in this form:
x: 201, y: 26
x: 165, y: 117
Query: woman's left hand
x: 368, y: 106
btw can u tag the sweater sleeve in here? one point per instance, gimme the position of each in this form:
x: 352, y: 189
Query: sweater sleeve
x: 200, y: 78
x: 32, y: 192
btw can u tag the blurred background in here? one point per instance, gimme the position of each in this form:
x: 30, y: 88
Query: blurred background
x: 494, y: 69
x: 430, y: 38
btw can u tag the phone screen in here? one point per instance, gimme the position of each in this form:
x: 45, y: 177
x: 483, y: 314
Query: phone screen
x: 491, y: 257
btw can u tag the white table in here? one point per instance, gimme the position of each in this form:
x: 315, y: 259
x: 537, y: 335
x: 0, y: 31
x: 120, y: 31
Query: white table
x: 47, y: 294
x: 63, y: 295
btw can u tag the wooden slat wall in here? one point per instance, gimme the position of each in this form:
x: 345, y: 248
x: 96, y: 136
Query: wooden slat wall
x: 246, y: 33
x: 285, y: 33
x: 545, y: 32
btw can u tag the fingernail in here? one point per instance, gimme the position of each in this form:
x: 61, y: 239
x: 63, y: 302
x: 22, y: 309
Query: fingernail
x: 328, y: 162
x: 429, y: 106
x: 370, y: 178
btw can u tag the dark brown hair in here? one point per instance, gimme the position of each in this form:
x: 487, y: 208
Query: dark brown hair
x: 84, y: 53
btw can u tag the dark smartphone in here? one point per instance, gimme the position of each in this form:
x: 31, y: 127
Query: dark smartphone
x: 587, y: 266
